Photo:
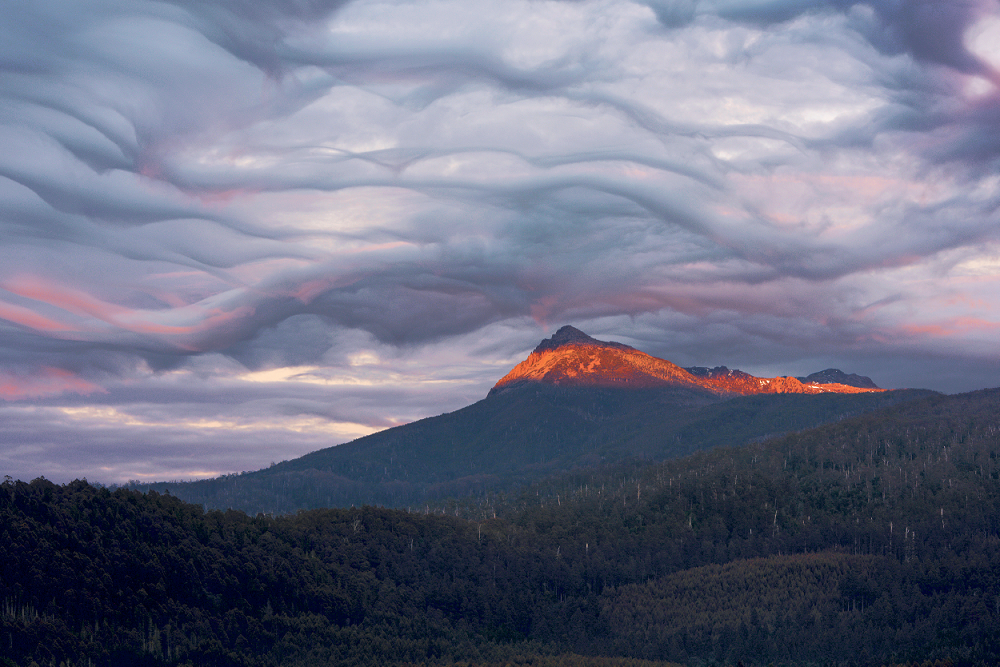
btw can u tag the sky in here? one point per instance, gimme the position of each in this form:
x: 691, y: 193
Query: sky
x: 236, y: 231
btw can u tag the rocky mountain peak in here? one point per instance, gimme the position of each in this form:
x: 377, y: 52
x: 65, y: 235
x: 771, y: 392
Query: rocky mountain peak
x: 717, y: 372
x: 572, y: 358
x: 837, y: 376
x: 570, y: 335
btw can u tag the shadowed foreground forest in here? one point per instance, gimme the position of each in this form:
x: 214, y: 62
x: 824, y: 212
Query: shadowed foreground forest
x: 870, y: 541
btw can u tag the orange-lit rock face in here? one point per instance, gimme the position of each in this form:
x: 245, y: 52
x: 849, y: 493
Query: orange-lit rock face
x: 572, y: 358
x: 749, y: 384
x: 597, y: 366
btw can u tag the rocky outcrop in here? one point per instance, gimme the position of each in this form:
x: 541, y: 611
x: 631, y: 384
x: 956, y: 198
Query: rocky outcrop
x: 837, y: 376
x: 572, y: 358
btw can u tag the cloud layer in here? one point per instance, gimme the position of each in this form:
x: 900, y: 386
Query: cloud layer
x: 233, y: 233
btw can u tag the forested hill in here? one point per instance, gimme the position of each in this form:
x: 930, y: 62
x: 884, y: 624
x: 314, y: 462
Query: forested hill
x: 875, y: 540
x: 517, y: 437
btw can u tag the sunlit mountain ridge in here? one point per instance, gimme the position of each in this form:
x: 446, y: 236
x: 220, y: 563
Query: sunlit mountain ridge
x: 575, y: 402
x: 572, y: 358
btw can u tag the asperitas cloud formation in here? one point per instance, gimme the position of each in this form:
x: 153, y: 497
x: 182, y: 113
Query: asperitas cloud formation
x: 235, y: 232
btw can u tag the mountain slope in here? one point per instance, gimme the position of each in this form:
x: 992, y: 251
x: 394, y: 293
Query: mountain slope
x: 837, y: 376
x: 514, y: 438
x: 866, y: 540
x: 575, y: 402
x: 572, y: 358
x: 870, y: 541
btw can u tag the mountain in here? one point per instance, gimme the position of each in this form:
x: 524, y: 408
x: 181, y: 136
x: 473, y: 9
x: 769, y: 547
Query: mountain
x: 572, y: 358
x: 870, y: 541
x: 837, y: 376
x: 574, y: 402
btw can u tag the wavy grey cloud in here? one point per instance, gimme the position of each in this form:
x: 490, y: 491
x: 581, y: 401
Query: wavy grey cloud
x: 315, y: 218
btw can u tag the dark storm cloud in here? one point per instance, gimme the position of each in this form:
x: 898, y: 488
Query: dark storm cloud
x: 674, y: 13
x: 254, y: 31
x: 930, y: 30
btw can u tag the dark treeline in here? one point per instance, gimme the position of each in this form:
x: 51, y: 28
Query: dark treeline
x: 91, y: 576
x: 875, y: 540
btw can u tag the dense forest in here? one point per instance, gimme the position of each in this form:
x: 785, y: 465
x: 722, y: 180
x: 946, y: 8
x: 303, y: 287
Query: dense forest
x: 872, y: 540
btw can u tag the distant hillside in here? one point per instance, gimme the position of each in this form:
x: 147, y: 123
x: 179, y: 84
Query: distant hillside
x: 517, y: 437
x: 869, y: 540
x: 874, y: 540
x: 574, y: 402
x: 837, y: 376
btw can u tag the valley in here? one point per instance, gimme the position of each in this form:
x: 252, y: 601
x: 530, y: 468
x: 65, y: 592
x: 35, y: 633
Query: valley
x: 548, y: 524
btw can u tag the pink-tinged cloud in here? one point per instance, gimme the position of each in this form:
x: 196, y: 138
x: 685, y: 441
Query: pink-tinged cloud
x: 955, y: 327
x: 46, y: 382
x: 310, y: 289
x: 83, y: 304
x: 72, y: 300
x: 208, y: 319
x: 804, y: 184
x: 31, y: 319
x: 542, y: 308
